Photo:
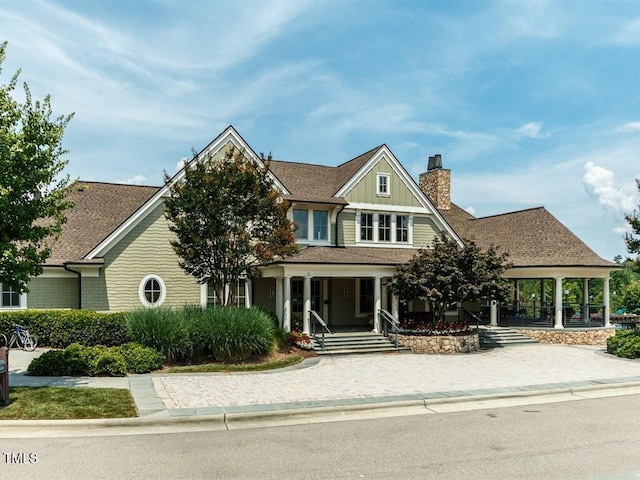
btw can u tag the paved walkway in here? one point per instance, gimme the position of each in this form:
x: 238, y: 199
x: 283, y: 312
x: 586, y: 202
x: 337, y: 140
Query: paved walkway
x: 362, y: 379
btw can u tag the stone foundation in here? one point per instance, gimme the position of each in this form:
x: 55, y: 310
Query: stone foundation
x: 591, y: 336
x: 440, y: 344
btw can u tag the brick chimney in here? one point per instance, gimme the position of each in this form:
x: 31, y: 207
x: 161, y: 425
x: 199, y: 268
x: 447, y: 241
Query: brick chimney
x: 436, y: 183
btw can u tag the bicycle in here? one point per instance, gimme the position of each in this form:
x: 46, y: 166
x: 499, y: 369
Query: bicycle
x: 23, y: 339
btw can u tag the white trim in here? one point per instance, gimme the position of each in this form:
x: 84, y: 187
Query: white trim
x: 22, y: 302
x: 141, y: 291
x: 385, y: 153
x: 379, y: 193
x: 228, y: 135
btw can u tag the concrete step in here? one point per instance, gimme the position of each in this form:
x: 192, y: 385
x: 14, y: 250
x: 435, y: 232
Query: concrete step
x: 502, y: 337
x: 355, y: 343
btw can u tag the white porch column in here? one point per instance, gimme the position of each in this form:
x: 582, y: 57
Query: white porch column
x: 286, y: 314
x: 585, y: 299
x: 558, y: 302
x: 279, y: 301
x: 248, y: 301
x: 306, y: 324
x: 377, y: 303
x: 605, y: 298
x: 204, y: 291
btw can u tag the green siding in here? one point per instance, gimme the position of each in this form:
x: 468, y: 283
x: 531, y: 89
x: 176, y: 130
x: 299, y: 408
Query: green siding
x: 424, y: 231
x: 51, y: 292
x: 262, y: 293
x: 347, y: 228
x: 143, y: 251
x: 365, y: 190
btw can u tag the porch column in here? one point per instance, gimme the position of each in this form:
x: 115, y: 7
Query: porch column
x: 286, y: 315
x: 558, y: 302
x: 377, y: 302
x: 306, y: 315
x: 493, y: 313
x: 204, y: 290
x: 248, y: 289
x: 279, y: 301
x: 585, y: 299
x: 605, y: 297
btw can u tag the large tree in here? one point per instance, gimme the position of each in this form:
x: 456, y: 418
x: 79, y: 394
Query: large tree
x: 228, y: 219
x: 448, y: 273
x: 32, y: 190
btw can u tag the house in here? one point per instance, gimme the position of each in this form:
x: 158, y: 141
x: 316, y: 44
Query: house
x: 357, y: 222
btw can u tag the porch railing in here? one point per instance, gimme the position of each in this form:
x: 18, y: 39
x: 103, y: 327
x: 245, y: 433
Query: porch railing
x: 388, y: 321
x: 317, y: 320
x: 543, y: 314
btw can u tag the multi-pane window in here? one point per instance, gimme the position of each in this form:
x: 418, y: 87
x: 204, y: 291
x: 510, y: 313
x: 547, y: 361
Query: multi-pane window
x: 238, y: 290
x: 301, y: 218
x: 152, y: 291
x: 384, y: 228
x: 366, y: 226
x: 383, y: 184
x: 10, y: 298
x: 320, y: 225
x: 402, y: 228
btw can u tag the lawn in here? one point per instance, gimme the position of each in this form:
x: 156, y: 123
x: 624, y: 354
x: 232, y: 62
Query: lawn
x: 66, y: 403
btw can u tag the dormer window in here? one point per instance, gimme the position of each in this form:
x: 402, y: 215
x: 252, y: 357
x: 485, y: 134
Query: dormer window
x: 383, y: 184
x: 320, y: 225
x: 301, y: 218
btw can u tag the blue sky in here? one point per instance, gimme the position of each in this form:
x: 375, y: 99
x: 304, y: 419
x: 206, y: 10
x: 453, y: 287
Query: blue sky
x: 529, y: 102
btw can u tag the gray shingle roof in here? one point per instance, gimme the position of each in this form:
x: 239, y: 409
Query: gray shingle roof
x: 532, y: 238
x: 99, y: 209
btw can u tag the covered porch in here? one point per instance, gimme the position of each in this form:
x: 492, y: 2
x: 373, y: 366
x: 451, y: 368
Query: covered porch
x: 557, y: 298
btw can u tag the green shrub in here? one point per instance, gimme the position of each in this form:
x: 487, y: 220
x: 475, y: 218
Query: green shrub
x: 282, y: 339
x: 232, y: 334
x: 140, y: 359
x: 625, y: 344
x: 61, y: 328
x: 162, y: 329
x: 73, y: 360
x: 97, y: 360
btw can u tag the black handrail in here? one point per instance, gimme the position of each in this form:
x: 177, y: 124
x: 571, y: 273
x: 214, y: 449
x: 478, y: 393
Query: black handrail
x: 388, y: 319
x: 315, y: 318
x: 472, y: 315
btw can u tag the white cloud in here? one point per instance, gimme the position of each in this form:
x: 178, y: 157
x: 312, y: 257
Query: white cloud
x: 600, y: 183
x: 622, y: 230
x: 135, y: 180
x: 628, y: 34
x: 629, y: 127
x: 532, y: 130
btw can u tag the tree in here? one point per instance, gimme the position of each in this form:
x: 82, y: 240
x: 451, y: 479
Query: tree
x: 228, y: 219
x: 631, y: 239
x: 32, y: 194
x: 448, y: 274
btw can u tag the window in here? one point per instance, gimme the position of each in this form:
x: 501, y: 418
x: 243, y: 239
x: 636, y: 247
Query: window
x: 365, y: 296
x: 384, y: 228
x: 366, y: 226
x: 152, y: 291
x: 383, y: 187
x: 301, y: 218
x: 320, y: 225
x: 239, y: 294
x: 402, y: 228
x: 10, y: 298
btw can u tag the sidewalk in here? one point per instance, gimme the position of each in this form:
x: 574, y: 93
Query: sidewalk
x: 360, y: 381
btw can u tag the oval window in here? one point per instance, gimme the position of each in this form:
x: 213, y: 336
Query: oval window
x: 152, y: 291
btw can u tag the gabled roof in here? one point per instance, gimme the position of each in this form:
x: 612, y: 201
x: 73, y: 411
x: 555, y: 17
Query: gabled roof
x: 99, y: 209
x: 317, y: 183
x: 532, y: 238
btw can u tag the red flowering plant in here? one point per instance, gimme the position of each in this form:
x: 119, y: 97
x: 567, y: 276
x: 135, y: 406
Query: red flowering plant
x: 301, y: 340
x: 440, y: 327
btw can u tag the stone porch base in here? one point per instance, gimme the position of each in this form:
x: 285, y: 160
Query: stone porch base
x: 441, y: 343
x: 590, y: 336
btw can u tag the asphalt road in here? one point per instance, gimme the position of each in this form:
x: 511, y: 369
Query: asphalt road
x: 587, y: 439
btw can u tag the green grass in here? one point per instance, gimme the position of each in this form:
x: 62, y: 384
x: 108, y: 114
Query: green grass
x: 66, y: 403
x: 244, y: 367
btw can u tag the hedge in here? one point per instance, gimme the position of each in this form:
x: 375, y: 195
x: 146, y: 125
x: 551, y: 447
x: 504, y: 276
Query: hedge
x: 625, y: 344
x: 61, y: 328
